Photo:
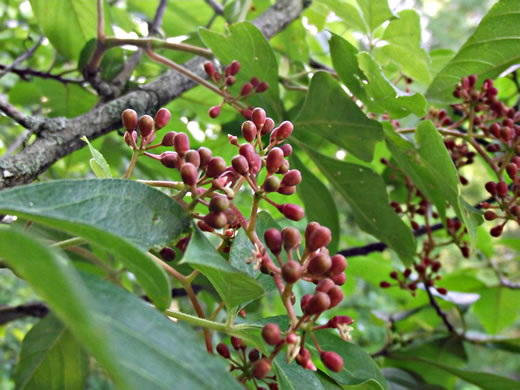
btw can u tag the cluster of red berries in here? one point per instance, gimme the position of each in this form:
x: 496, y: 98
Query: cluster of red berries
x: 226, y: 80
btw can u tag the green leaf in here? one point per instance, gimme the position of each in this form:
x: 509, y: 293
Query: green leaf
x: 68, y: 24
x: 292, y: 42
x: 329, y: 112
x: 68, y: 100
x: 402, y: 380
x: 256, y: 58
x: 318, y: 201
x: 497, y: 308
x: 349, y: 13
x: 358, y: 366
x: 365, y: 79
x: 375, y: 12
x: 51, y: 358
x: 138, y: 346
x: 202, y: 255
x: 437, y: 159
x: 483, y: 380
x: 403, y: 38
x: 365, y: 192
x: 293, y: 376
x: 121, y: 216
x: 102, y: 170
x: 57, y: 282
x: 493, y: 47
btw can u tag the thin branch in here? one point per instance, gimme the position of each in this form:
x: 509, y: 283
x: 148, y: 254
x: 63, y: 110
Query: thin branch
x: 154, y: 43
x: 35, y: 309
x: 13, y: 113
x: 439, y: 311
x: 17, y: 143
x: 24, y: 74
x: 219, y: 9
x: 23, y: 57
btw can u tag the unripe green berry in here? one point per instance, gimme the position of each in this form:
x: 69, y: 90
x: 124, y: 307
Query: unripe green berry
x: 291, y: 271
x: 271, y: 334
x: 271, y: 184
x: 129, y: 118
x: 218, y: 203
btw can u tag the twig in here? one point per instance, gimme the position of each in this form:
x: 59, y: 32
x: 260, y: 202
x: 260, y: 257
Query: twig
x: 439, y: 311
x: 23, y: 73
x: 11, y: 111
x: 35, y: 309
x: 19, y: 141
x: 21, y: 58
x: 219, y: 9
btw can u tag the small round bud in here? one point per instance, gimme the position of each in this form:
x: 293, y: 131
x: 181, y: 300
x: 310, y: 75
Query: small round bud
x: 339, y: 279
x: 284, y: 130
x: 319, y: 238
x: 236, y: 342
x: 442, y: 290
x: 292, y: 178
x: 249, y: 131
x: 515, y: 210
x: 254, y: 81
x: 325, y: 285
x: 271, y: 184
x: 216, y: 220
x: 339, y: 264
x: 490, y: 215
x: 319, y: 264
x: 131, y: 138
x: 335, y: 295
x: 263, y: 86
x: 436, y: 266
x: 246, y: 89
x: 305, y: 300
x: 170, y: 159
x: 204, y: 226
x: 145, y: 125
x: 209, y: 68
x: 253, y: 355
x: 491, y: 187
x: 162, y: 117
x: 318, y: 303
x: 291, y: 271
x: 258, y: 116
x: 496, y: 231
x: 311, y: 226
x: 189, y: 174
x: 167, y: 254
x: 204, y: 156
x: 284, y: 190
x: 168, y: 138
x: 284, y: 168
x: 291, y: 238
x: 412, y: 286
x: 261, y: 368
x: 240, y: 164
x: 193, y: 157
x: 502, y: 189
x: 181, y: 143
x: 384, y: 284
x: 394, y: 275
x: 129, y: 118
x: 230, y: 80
x: 216, y: 166
x: 234, y: 68
x: 214, y: 111
x: 268, y: 126
x: 291, y: 211
x: 218, y: 203
x: 223, y: 350
x: 287, y: 150
x: 512, y: 170
x: 247, y: 113
x: 274, y: 160
x: 273, y: 240
x: 332, y: 361
x: 271, y: 334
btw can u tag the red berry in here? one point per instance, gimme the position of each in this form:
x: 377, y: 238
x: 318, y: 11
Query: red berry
x: 291, y: 211
x: 131, y: 138
x: 496, y: 231
x: 254, y: 355
x: 339, y: 279
x: 181, y: 143
x: 258, y: 117
x: 292, y: 178
x: 263, y: 86
x: 319, y: 264
x: 268, y: 126
x: 223, y: 350
x: 189, y: 174
x: 168, y: 138
x: 287, y: 190
x: 291, y: 238
x: 304, y: 301
x: 271, y: 184
x: 246, y: 89
x: 170, y: 159
x: 273, y: 240
x: 240, y: 164
x: 145, y: 125
x: 234, y: 68
x: 209, y: 68
x: 218, y: 203
x: 512, y: 170
x: 216, y: 220
x: 216, y: 166
x: 384, y: 284
x: 129, y: 118
x: 274, y: 160
x: 490, y: 215
x: 332, y: 361
x: 412, y: 286
x: 339, y: 264
x: 291, y: 271
x: 394, y: 275
x: 261, y: 368
x: 284, y: 130
x: 320, y: 237
x: 318, y: 303
x: 193, y: 157
x: 162, y: 117
x: 249, y: 131
x: 325, y: 285
x: 271, y: 334
x: 335, y: 295
x: 502, y: 189
x: 442, y: 290
x: 248, y: 151
x: 311, y: 226
x: 167, y: 254
x: 214, y: 111
x: 236, y: 342
x: 287, y: 149
x: 204, y: 155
